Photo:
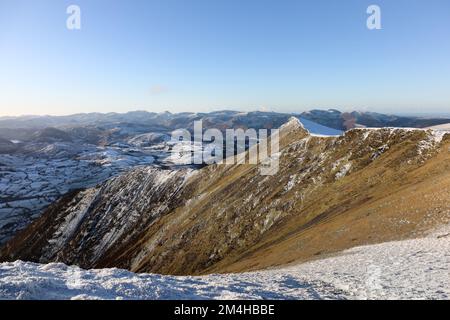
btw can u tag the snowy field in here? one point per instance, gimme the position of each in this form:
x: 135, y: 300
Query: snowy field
x: 411, y: 269
x: 29, y: 183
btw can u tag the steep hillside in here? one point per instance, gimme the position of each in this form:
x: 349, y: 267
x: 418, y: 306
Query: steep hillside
x: 104, y: 218
x: 45, y: 164
x: 331, y: 193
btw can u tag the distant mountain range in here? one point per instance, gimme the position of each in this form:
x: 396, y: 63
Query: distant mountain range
x: 162, y: 121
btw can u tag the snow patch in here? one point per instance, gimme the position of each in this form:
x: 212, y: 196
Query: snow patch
x: 343, y: 171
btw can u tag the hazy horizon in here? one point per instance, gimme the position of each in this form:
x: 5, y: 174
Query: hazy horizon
x: 423, y: 114
x: 283, y: 56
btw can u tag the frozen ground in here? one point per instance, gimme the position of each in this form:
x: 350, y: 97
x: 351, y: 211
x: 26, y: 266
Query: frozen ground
x: 410, y: 269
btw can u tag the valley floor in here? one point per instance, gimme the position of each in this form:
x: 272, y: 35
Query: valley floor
x: 409, y: 269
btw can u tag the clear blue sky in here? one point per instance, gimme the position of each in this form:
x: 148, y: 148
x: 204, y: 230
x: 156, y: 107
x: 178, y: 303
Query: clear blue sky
x: 200, y: 55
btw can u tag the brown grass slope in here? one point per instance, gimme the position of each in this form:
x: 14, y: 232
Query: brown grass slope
x: 330, y: 194
x: 247, y: 221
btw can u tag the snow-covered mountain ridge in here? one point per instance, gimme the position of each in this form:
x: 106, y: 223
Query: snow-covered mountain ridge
x: 359, y: 188
x: 51, y: 162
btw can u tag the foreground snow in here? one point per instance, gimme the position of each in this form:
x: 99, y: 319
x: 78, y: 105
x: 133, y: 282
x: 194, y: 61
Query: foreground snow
x: 417, y: 269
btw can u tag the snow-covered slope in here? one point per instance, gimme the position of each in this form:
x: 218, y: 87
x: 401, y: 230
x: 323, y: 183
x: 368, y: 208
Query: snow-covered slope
x: 409, y: 269
x: 316, y: 129
x: 442, y: 127
x: 30, y: 181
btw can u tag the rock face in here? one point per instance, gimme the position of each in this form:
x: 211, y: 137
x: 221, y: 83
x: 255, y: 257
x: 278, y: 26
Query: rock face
x: 331, y: 193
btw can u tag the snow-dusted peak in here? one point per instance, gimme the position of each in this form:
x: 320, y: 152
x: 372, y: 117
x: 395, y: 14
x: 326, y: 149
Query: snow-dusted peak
x: 316, y: 129
x: 292, y: 124
x: 309, y: 127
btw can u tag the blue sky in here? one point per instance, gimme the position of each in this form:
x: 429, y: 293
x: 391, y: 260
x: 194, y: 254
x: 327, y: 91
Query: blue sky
x: 202, y: 55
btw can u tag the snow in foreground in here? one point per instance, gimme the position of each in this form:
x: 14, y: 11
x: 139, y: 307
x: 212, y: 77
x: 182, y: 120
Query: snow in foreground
x: 418, y: 269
